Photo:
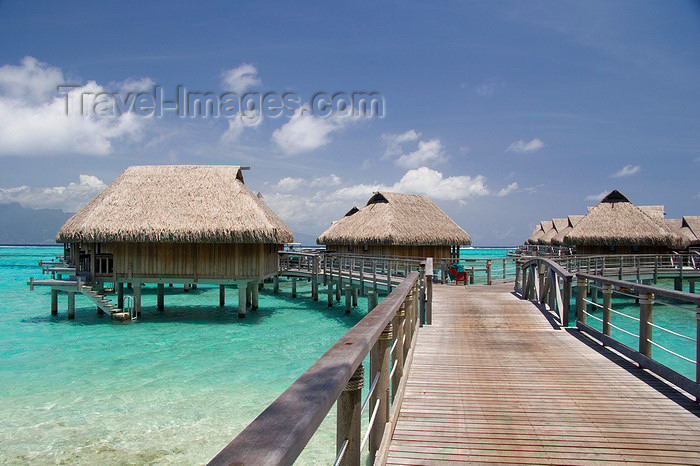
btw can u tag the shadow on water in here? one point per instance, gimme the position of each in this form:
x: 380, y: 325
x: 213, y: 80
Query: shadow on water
x: 210, y: 314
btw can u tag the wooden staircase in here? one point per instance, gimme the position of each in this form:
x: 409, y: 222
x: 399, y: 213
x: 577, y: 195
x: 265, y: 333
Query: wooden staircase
x: 98, y: 298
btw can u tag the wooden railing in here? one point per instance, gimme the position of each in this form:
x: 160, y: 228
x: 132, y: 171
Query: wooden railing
x: 649, y: 335
x: 638, y: 266
x: 547, y: 282
x: 282, y: 431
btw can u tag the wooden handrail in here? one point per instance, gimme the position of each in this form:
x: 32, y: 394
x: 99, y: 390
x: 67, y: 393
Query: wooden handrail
x: 643, y: 355
x: 657, y: 291
x: 280, y: 433
x: 541, y: 280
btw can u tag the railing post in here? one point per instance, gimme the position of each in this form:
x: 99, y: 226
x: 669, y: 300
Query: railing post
x: 349, y: 419
x: 314, y: 278
x: 399, y: 325
x: 646, y: 317
x: 607, y: 308
x: 518, y: 278
x: 504, y: 268
x: 429, y: 298
x: 581, y: 293
x: 421, y: 295
x: 566, y: 302
x: 380, y: 362
x: 488, y: 272
x: 541, y: 289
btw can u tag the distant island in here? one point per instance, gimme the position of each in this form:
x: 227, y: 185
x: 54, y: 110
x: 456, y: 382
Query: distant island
x: 20, y: 225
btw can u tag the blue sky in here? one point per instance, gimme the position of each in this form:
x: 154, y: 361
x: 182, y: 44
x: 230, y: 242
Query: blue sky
x: 504, y: 113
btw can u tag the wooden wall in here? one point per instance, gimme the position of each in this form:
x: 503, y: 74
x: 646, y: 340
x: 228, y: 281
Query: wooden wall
x: 600, y: 250
x: 193, y: 260
x: 436, y: 252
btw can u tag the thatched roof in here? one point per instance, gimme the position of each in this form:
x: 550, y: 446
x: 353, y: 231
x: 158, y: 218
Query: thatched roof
x: 396, y: 219
x: 654, y: 211
x: 536, y: 234
x: 572, y: 220
x: 617, y: 221
x: 691, y: 225
x: 177, y: 203
x: 558, y: 224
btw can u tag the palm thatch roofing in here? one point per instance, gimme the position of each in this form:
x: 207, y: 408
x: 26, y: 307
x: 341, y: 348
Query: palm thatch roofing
x: 617, y: 221
x: 396, y: 219
x: 536, y: 234
x: 654, y: 211
x: 177, y: 204
x: 558, y: 224
x: 691, y: 225
x: 572, y: 220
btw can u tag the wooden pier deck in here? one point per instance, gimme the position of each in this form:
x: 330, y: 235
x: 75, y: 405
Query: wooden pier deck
x: 493, y: 381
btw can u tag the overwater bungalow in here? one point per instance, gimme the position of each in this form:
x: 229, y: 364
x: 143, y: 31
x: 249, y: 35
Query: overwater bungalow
x: 185, y: 224
x: 536, y: 234
x: 617, y: 226
x: 557, y: 225
x: 572, y: 220
x: 394, y: 224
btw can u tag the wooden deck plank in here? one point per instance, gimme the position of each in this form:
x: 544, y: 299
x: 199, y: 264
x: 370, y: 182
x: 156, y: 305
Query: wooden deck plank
x: 493, y: 382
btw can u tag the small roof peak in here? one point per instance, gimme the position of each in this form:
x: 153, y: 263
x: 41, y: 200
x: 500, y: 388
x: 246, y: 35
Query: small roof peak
x: 615, y: 196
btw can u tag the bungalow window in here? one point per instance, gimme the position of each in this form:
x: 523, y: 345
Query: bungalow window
x: 612, y: 248
x: 350, y: 248
x: 635, y: 248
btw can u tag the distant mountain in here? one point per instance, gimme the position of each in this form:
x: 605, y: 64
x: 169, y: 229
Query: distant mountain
x: 19, y: 225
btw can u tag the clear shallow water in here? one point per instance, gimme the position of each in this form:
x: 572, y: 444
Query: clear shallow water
x: 173, y: 388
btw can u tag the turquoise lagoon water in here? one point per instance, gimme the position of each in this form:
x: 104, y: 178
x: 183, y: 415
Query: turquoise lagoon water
x: 172, y: 388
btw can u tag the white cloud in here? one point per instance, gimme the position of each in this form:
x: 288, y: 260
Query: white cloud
x: 489, y: 88
x: 432, y: 183
x: 240, y: 79
x: 393, y: 142
x: 33, y: 82
x: 289, y: 184
x: 524, y: 147
x: 312, y: 204
x: 597, y: 197
x: 423, y: 181
x: 627, y: 170
x: 508, y: 189
x: 34, y: 121
x: 330, y: 180
x: 135, y: 85
x: 305, y: 133
x: 428, y: 151
x: 69, y: 198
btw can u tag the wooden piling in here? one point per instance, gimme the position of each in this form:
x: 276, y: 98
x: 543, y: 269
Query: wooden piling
x: 222, y: 295
x: 137, y: 297
x: 294, y: 287
x: 348, y: 299
x: 54, y: 302
x: 161, y: 296
x: 242, y: 291
x: 120, y: 295
x: 255, y: 295
x: 71, y: 305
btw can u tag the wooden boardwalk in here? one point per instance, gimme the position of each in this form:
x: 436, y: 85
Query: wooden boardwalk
x: 493, y: 381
